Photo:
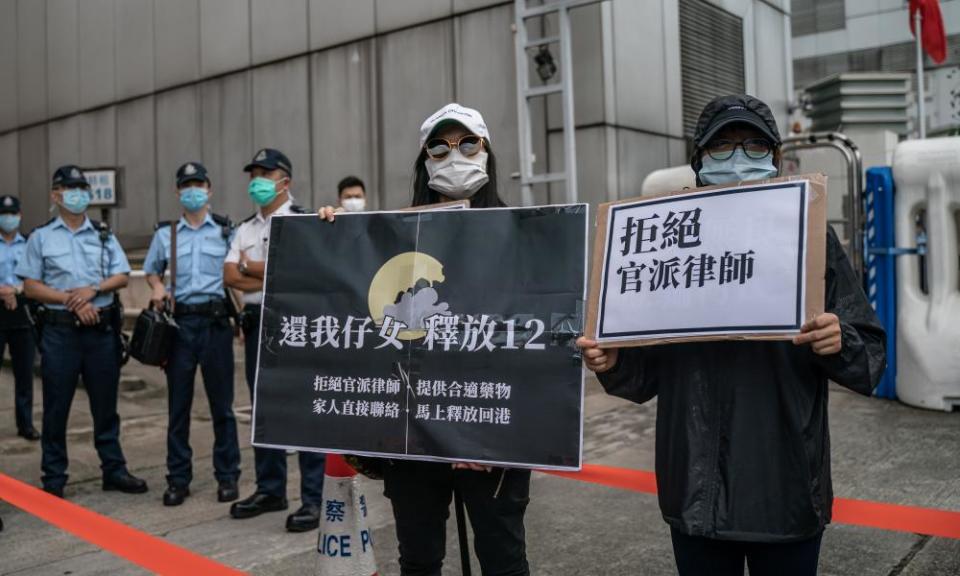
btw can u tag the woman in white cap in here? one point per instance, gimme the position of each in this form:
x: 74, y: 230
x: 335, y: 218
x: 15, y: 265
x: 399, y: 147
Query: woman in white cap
x: 456, y: 162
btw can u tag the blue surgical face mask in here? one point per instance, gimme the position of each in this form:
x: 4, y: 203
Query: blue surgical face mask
x: 9, y: 222
x: 736, y: 168
x: 76, y: 200
x: 194, y: 198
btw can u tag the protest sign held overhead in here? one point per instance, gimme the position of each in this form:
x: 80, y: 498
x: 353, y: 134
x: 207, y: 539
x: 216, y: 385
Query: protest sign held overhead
x: 713, y: 263
x: 438, y: 335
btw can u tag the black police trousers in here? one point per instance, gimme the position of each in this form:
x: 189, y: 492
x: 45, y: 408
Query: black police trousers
x: 495, y: 501
x: 206, y: 342
x: 22, y: 348
x: 270, y: 463
x: 67, y: 354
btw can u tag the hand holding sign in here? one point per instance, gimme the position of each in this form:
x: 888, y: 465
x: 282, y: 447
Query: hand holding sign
x: 823, y: 334
x: 472, y: 466
x: 328, y: 213
x: 597, y: 359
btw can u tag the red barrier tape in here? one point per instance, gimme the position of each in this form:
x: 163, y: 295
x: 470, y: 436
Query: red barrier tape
x: 152, y: 553
x: 845, y: 511
x: 162, y: 557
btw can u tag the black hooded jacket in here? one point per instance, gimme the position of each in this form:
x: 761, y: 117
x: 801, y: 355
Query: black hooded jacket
x: 743, y: 441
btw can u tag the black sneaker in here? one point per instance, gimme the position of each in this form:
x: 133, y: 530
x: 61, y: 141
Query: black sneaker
x: 175, y: 495
x: 30, y: 434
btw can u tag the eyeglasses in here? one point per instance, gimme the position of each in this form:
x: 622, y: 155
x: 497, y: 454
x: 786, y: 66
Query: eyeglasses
x: 754, y: 148
x: 468, y: 145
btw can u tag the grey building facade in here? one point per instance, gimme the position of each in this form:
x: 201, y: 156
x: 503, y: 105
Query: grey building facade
x: 836, y: 36
x: 342, y: 86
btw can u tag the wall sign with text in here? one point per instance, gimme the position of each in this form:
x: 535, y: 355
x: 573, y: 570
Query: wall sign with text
x: 103, y: 186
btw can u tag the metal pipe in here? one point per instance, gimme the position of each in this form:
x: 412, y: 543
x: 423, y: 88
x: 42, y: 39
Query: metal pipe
x: 921, y: 116
x: 569, y: 127
x: 523, y: 129
x: 854, y: 159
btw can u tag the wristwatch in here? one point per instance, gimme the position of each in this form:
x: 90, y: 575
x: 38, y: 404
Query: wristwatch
x: 243, y: 267
x: 96, y: 290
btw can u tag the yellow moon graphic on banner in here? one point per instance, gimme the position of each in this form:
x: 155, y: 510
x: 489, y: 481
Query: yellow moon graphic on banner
x: 398, y: 276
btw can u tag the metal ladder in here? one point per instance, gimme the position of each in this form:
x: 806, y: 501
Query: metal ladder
x: 525, y: 93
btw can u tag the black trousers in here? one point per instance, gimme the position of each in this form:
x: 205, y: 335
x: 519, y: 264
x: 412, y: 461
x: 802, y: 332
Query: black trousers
x: 22, y: 349
x: 698, y: 556
x: 270, y: 463
x: 208, y: 343
x: 67, y: 354
x: 495, y: 501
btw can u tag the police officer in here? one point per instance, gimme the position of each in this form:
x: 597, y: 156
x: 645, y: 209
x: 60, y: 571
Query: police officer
x: 204, y: 338
x: 14, y: 323
x: 269, y: 188
x: 73, y: 266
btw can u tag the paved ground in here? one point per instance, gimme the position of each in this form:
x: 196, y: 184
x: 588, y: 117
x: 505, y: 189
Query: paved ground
x: 881, y: 451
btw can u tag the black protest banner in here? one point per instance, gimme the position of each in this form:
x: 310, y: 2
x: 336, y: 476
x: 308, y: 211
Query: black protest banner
x: 445, y: 335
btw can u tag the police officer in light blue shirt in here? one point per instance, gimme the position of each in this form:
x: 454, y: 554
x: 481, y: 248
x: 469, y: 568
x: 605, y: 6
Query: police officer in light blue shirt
x: 204, y: 337
x: 14, y: 323
x: 73, y: 267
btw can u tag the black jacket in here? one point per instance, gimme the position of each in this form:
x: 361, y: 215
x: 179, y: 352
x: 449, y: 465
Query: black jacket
x: 743, y: 442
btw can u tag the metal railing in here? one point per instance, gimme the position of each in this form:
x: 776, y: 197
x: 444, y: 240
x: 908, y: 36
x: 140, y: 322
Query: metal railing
x: 853, y: 222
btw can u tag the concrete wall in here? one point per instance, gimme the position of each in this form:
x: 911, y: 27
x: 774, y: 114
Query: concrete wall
x: 340, y: 85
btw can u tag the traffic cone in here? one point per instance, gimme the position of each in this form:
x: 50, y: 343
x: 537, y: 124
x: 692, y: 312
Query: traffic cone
x: 345, y: 545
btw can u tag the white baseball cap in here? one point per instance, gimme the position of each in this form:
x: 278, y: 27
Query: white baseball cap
x: 453, y: 112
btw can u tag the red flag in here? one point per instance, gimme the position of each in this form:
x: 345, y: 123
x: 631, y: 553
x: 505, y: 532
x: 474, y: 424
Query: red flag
x: 933, y: 38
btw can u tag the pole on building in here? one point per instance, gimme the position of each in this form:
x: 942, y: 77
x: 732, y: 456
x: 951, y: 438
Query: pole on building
x: 921, y: 92
x: 566, y: 98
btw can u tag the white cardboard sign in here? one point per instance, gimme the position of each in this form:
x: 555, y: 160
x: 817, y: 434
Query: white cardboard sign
x: 718, y: 262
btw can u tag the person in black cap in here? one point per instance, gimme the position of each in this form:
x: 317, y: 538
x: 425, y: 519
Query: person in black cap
x: 204, y: 337
x: 14, y: 323
x: 736, y: 140
x: 270, y: 176
x: 743, y: 442
x: 73, y: 267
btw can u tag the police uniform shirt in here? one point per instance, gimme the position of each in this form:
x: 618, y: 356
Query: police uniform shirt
x: 65, y: 259
x: 10, y: 254
x: 251, y: 238
x: 200, y: 255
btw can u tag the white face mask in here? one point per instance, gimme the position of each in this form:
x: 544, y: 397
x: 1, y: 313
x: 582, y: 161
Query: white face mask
x: 456, y: 176
x: 354, y: 204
